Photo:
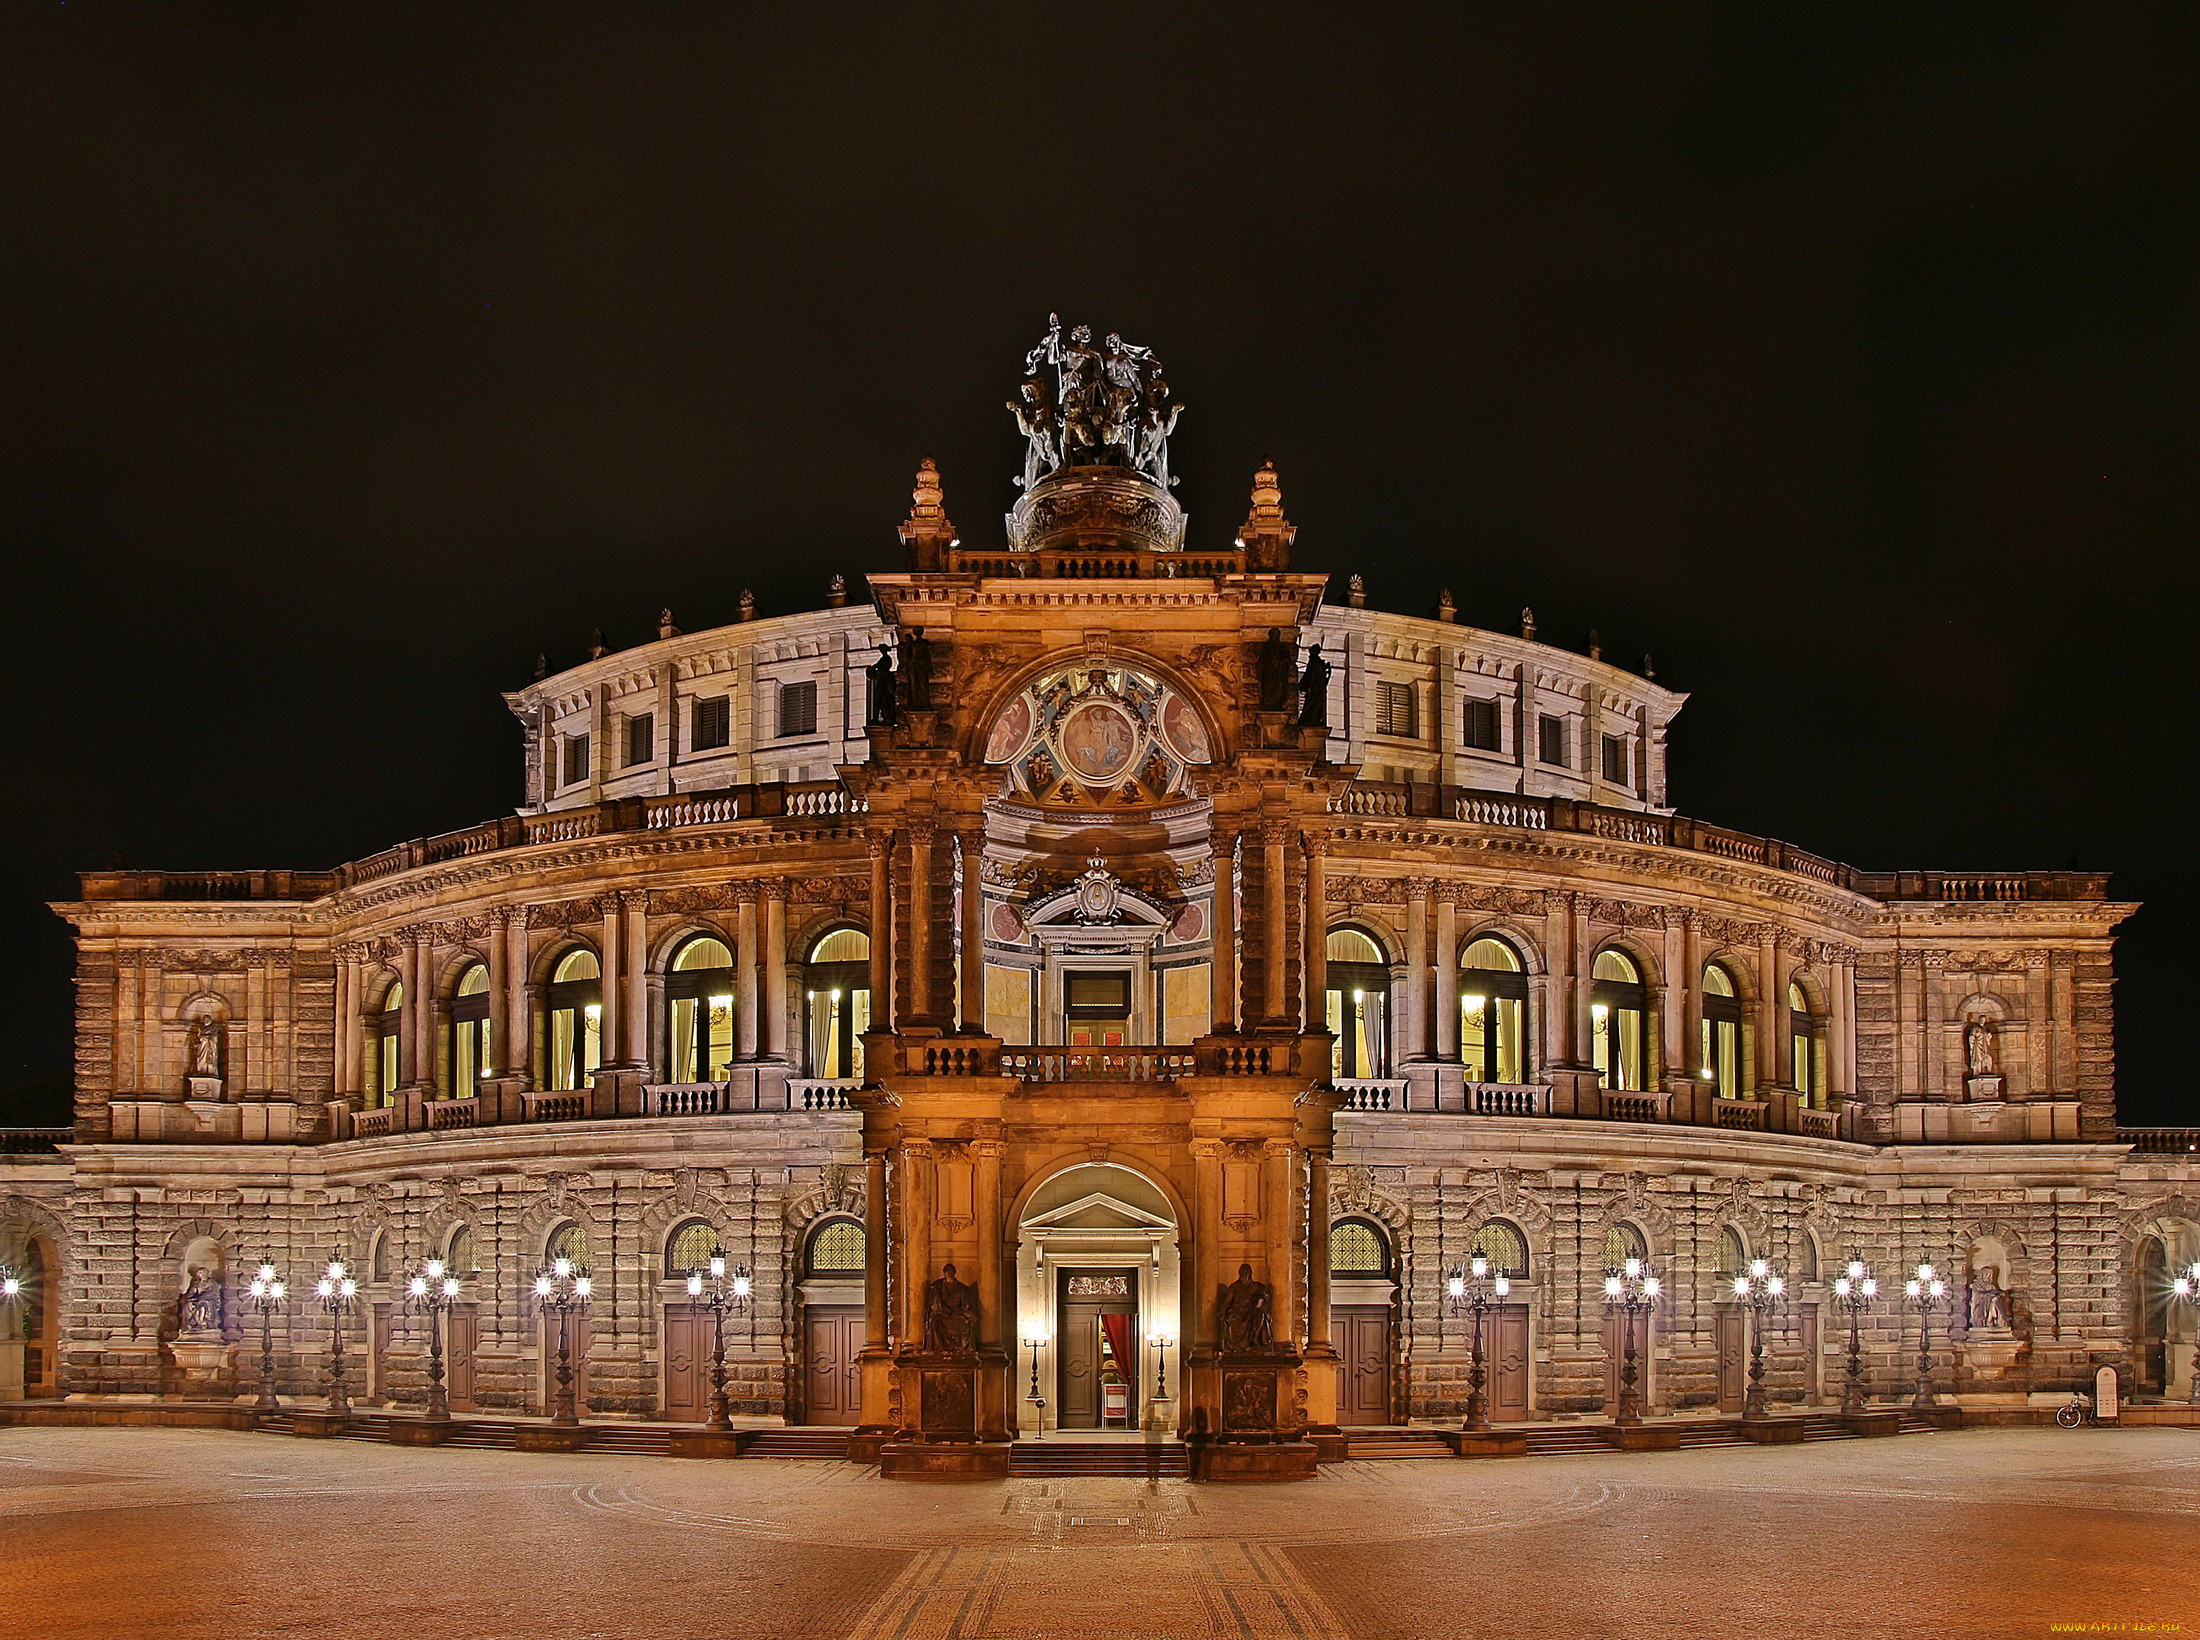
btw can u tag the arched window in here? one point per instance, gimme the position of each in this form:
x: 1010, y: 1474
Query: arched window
x: 470, y: 1033
x: 1806, y: 1253
x: 837, y: 1248
x: 836, y: 995
x: 1505, y: 1247
x: 1733, y: 1256
x: 569, y: 1241
x: 1803, y: 1040
x: 699, y: 1003
x: 1493, y: 1012
x: 576, y: 1019
x: 1618, y: 1008
x: 386, y: 1031
x: 1621, y: 1243
x: 1359, y: 989
x: 378, y: 1259
x: 1722, y: 1034
x: 460, y: 1257
x: 2151, y: 1272
x: 691, y: 1247
x: 1358, y: 1249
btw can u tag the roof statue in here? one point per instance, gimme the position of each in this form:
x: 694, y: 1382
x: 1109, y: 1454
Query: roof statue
x: 1108, y: 405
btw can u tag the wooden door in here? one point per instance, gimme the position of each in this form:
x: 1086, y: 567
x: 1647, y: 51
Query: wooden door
x: 1077, y: 1368
x: 1814, y: 1360
x: 381, y: 1330
x: 461, y: 1334
x: 1363, y: 1346
x: 1509, y: 1363
x: 687, y: 1345
x: 833, y: 1347
x: 577, y: 1334
x: 1733, y: 1367
x: 1615, y: 1355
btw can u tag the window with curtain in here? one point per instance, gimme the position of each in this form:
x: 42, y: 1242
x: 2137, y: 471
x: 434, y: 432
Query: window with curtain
x: 470, y: 1033
x: 836, y: 995
x: 1803, y: 1039
x: 1721, y: 1056
x: 699, y: 993
x: 1358, y: 994
x: 1618, y: 1021
x: 575, y: 1004
x: 386, y: 1065
x: 1493, y: 1012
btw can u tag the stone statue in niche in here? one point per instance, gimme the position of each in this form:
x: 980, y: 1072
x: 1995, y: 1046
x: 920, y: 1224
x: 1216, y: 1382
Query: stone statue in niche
x: 950, y: 1315
x: 880, y: 708
x: 1275, y: 671
x: 199, y: 1309
x: 1978, y: 1046
x: 1245, y: 1313
x: 1314, y: 691
x: 1988, y: 1305
x: 916, y: 669
x: 206, y: 1046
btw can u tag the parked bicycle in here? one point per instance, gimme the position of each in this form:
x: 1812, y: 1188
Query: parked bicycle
x: 2079, y: 1410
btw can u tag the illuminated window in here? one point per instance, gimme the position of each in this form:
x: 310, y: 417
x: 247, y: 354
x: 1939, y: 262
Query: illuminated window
x: 711, y: 725
x: 1505, y: 1247
x: 1804, y: 1044
x: 1357, y: 1248
x: 1359, y: 993
x: 699, y: 1013
x: 1719, y: 1058
x: 1621, y: 1243
x: 386, y: 1067
x: 1493, y: 1012
x: 569, y: 1241
x: 692, y: 1247
x: 575, y: 1000
x: 837, y: 1247
x: 470, y: 1033
x: 1618, y: 1010
x: 836, y: 996
x: 1481, y: 725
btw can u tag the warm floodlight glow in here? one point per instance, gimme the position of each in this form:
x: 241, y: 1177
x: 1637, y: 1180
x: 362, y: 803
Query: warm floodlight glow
x: 695, y: 1284
x: 1632, y: 1268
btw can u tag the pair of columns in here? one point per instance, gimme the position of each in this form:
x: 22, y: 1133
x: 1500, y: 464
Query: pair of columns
x: 926, y: 922
x: 1264, y: 928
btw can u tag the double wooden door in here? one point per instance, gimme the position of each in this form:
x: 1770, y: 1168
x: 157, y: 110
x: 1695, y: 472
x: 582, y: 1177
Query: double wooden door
x: 461, y: 1333
x: 1729, y: 1338
x: 1081, y: 1363
x: 687, y: 1356
x: 833, y: 1346
x: 1615, y: 1356
x: 577, y: 1340
x: 1506, y: 1352
x: 1362, y: 1332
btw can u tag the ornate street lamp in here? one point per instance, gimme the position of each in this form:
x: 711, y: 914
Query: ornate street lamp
x: 1038, y: 1401
x: 265, y: 1295
x: 432, y: 1290
x: 1757, y: 1289
x: 1632, y: 1290
x: 2187, y: 1287
x: 1924, y: 1292
x: 1854, y: 1289
x: 1161, y: 1342
x: 561, y: 1288
x: 336, y: 1291
x: 722, y: 1292
x: 1476, y: 1289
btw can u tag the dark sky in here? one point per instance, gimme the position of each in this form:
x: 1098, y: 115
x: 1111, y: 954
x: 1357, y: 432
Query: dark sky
x: 1841, y: 356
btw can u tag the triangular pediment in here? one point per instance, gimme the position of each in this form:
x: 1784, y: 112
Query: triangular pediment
x: 1098, y: 1211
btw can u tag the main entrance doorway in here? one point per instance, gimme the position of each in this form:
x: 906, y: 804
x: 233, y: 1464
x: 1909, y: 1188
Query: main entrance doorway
x: 1097, y: 1356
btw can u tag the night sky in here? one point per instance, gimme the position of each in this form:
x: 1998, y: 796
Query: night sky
x: 1842, y: 357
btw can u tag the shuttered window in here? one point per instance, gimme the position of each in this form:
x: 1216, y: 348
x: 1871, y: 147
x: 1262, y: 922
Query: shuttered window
x: 1551, y: 740
x: 713, y: 725
x: 1394, y: 710
x: 1480, y: 720
x: 576, y: 759
x: 1615, y: 759
x: 641, y: 738
x: 797, y: 709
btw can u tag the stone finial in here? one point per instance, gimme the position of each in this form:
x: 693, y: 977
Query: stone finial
x: 597, y: 648
x: 1266, y: 535
x: 1447, y: 607
x: 748, y: 606
x: 926, y: 532
x: 665, y: 628
x: 542, y: 667
x: 836, y: 592
x: 1355, y: 592
x: 1649, y: 671
x: 1527, y: 624
x: 1596, y: 645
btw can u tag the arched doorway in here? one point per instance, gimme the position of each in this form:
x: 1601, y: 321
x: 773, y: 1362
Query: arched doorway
x: 833, y: 1317
x: 1363, y: 1295
x: 1097, y: 1283
x: 2150, y: 1353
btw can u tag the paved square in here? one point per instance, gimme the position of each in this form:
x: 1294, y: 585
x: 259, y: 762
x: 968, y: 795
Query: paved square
x: 200, y: 1534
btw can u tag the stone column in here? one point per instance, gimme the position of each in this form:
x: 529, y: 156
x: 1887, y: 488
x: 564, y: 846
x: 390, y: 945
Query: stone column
x: 1316, y: 965
x: 1673, y: 1007
x: 614, y: 995
x: 775, y: 968
x: 500, y: 984
x: 1581, y: 949
x: 1222, y: 907
x: 635, y: 1012
x: 916, y: 1206
x: 420, y: 1012
x: 1413, y: 1037
x: 1281, y: 1208
x: 993, y: 1334
x: 1447, y: 981
x: 880, y: 845
x: 1317, y: 1251
x: 2038, y: 1033
x: 1841, y: 1030
x: 746, y: 977
x: 346, y: 1080
x: 1274, y: 920
x: 1692, y: 998
x: 516, y: 1056
x: 1558, y: 1007
x: 1199, y: 1321
x: 919, y: 925
x: 876, y: 1322
x: 1771, y: 1005
x: 970, y: 848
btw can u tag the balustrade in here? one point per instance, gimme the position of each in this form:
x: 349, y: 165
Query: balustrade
x: 1634, y: 1107
x: 1741, y: 1114
x: 1371, y: 1093
x: 1034, y: 1065
x: 2160, y: 1141
x: 555, y: 1107
x: 444, y: 1114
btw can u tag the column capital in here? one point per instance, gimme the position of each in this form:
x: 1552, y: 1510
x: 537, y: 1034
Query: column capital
x: 774, y: 888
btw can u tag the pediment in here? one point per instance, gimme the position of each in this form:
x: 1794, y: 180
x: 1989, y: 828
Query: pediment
x: 1098, y: 1211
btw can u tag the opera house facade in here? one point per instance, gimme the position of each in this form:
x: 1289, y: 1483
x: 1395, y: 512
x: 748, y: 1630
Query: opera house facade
x: 1094, y: 982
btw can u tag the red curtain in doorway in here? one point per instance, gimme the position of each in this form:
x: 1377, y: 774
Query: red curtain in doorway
x: 1123, y: 1346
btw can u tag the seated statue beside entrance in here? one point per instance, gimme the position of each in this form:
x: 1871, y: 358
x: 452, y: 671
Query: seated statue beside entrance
x: 950, y: 1316
x: 1246, y: 1315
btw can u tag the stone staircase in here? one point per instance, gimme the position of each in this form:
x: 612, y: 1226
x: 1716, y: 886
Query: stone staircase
x: 798, y: 1442
x: 1169, y: 1460
x: 1396, y: 1443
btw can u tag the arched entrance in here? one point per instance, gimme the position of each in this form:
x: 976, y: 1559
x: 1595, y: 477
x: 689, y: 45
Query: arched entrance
x: 1096, y: 1285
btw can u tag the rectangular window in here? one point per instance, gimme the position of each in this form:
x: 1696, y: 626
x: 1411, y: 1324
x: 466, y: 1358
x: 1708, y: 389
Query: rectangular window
x: 641, y: 739
x: 1394, y: 710
x: 797, y: 709
x: 1480, y: 717
x: 1615, y: 759
x: 713, y: 722
x: 1550, y: 733
x: 576, y: 759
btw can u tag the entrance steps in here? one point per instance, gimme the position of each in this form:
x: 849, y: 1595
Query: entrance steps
x: 797, y: 1442
x: 1169, y: 1460
x: 1395, y: 1443
x: 1557, y: 1440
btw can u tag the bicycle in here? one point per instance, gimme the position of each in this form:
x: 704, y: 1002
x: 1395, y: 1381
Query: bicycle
x: 2078, y: 1410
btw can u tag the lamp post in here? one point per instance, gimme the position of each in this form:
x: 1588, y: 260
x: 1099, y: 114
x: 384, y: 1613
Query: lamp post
x: 1632, y: 1290
x: 723, y: 1288
x: 1854, y: 1289
x: 1757, y: 1289
x: 1924, y: 1293
x: 561, y: 1287
x: 1038, y: 1401
x: 336, y: 1291
x: 433, y: 1290
x: 1474, y: 1288
x: 265, y: 1295
x: 1161, y: 1342
x: 2187, y: 1287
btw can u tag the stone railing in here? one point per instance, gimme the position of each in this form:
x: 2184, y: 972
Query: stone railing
x: 563, y: 1105
x: 1634, y: 1107
x: 1742, y: 1115
x: 819, y: 1093
x: 1036, y: 1065
x: 2160, y: 1141
x: 952, y: 1058
x: 373, y: 1124
x: 33, y: 1141
x: 1102, y: 564
x: 445, y: 1114
x: 1250, y: 1059
x: 1372, y: 1093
